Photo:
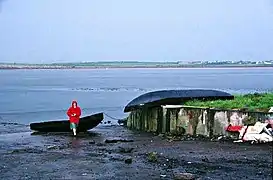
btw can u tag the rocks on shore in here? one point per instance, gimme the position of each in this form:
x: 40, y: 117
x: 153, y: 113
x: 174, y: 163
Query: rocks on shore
x: 92, y: 142
x: 125, y: 149
x: 128, y: 161
x: 189, y: 137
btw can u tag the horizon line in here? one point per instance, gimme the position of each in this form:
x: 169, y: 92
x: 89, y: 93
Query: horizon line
x: 135, y: 61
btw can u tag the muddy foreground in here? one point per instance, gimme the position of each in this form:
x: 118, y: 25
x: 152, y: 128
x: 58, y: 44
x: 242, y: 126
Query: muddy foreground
x: 113, y: 152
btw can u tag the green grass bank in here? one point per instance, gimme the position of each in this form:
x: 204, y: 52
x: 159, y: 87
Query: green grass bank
x: 249, y: 102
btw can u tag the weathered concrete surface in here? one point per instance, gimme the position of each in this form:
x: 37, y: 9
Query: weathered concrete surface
x: 190, y: 120
x: 61, y: 156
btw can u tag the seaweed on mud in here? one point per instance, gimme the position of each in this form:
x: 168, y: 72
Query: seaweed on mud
x: 152, y: 157
x: 188, y: 137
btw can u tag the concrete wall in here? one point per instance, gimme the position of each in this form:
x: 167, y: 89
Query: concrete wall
x: 145, y: 119
x: 189, y: 120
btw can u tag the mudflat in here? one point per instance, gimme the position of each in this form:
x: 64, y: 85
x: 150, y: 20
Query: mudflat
x: 114, y: 152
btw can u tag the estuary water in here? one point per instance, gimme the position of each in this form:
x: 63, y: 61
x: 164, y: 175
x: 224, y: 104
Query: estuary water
x: 40, y: 95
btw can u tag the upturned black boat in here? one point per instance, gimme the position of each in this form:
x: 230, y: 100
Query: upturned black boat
x: 86, y: 123
x: 175, y: 97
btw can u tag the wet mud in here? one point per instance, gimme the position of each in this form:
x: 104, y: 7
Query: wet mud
x: 113, y: 152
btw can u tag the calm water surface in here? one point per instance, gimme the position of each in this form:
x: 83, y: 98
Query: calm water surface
x: 38, y: 95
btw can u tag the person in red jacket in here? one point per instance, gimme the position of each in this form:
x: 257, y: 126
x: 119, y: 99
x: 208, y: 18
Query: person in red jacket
x: 74, y: 113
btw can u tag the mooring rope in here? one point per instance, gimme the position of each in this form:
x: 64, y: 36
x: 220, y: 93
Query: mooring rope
x: 111, y: 117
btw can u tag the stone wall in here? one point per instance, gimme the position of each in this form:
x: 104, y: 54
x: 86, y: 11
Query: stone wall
x: 190, y: 120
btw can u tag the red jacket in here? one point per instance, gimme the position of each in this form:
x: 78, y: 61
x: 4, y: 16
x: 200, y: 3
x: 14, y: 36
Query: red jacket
x: 74, y: 113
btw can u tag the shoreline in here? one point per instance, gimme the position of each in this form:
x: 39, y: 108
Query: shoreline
x: 130, y: 67
x: 156, y: 157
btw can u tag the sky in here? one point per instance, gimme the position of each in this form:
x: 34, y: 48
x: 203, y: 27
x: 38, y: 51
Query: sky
x: 45, y: 31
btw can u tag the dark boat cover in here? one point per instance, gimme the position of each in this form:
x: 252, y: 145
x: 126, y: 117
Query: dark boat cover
x: 175, y: 97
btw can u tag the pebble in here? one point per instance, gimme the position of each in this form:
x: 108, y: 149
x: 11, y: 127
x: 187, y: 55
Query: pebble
x: 92, y: 142
x: 52, y: 147
x: 128, y: 161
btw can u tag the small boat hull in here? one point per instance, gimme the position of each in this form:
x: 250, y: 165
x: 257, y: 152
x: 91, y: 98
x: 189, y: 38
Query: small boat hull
x: 86, y: 123
x: 174, y: 97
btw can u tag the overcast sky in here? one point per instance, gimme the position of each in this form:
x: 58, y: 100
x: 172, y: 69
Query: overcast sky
x: 37, y: 31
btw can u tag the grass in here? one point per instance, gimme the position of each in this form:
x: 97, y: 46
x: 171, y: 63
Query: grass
x: 250, y: 102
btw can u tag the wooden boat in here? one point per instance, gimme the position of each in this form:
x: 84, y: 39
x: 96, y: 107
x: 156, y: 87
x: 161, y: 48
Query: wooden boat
x: 86, y: 123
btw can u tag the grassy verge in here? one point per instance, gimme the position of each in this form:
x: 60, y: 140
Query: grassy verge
x: 249, y: 102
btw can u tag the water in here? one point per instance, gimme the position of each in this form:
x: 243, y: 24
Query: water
x: 39, y: 95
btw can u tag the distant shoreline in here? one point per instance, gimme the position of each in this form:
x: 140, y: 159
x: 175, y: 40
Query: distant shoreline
x: 132, y: 67
x: 140, y: 65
